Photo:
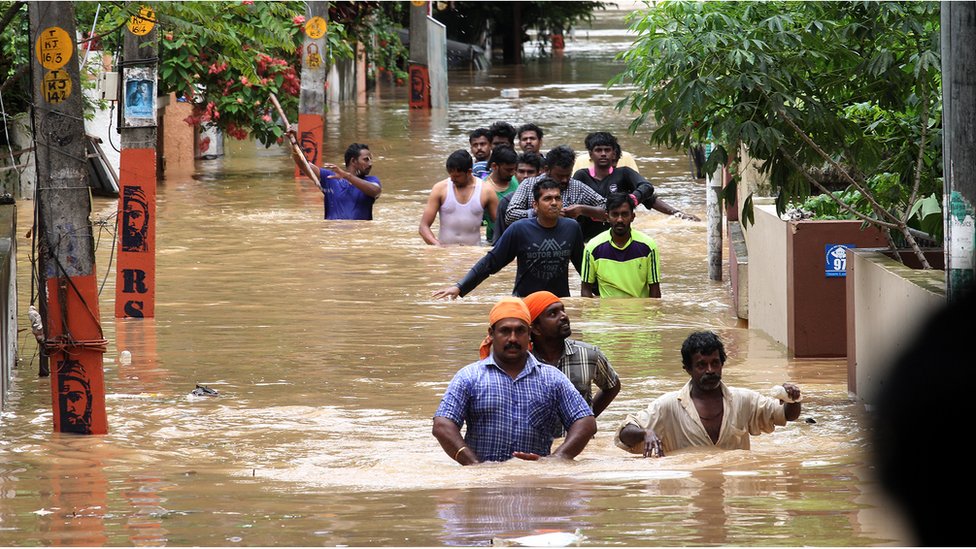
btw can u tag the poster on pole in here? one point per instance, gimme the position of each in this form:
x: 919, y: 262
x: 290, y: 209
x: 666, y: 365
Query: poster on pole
x: 139, y: 97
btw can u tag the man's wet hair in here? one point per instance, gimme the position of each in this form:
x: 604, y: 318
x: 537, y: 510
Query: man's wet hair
x: 459, y: 161
x: 561, y: 157
x: 615, y: 200
x: 502, y: 155
x: 600, y: 139
x: 533, y: 159
x: 503, y: 129
x: 705, y: 343
x: 353, y: 151
x: 480, y: 132
x: 543, y: 184
x: 530, y: 127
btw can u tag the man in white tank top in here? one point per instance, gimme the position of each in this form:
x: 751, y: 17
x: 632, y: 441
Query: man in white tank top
x: 461, y: 200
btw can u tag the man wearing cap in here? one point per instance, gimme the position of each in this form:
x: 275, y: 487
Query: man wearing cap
x: 511, y: 402
x: 584, y: 364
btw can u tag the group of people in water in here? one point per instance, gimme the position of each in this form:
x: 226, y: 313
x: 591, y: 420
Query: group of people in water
x: 534, y: 383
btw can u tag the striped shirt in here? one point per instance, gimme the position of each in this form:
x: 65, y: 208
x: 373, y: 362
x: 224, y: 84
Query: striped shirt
x: 622, y: 272
x: 576, y: 192
x: 506, y: 415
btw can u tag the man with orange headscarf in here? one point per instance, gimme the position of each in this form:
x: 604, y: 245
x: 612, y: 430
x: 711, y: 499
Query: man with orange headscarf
x: 511, y: 402
x: 584, y: 364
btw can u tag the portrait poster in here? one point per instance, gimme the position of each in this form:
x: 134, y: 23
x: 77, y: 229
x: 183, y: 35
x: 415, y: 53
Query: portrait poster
x: 419, y: 87
x: 139, y: 97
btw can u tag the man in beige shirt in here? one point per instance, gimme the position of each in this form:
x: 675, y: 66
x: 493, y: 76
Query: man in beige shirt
x: 705, y: 412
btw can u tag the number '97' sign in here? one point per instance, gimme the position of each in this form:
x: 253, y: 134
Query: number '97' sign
x: 836, y: 259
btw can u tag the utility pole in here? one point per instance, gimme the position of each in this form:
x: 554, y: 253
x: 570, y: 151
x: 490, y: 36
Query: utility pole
x: 311, y: 102
x: 713, y: 215
x: 72, y: 331
x: 418, y: 66
x: 428, y: 59
x: 135, y: 277
x: 959, y: 134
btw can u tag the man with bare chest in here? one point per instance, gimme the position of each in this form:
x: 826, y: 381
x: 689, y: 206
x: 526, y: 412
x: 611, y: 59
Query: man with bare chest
x: 705, y: 412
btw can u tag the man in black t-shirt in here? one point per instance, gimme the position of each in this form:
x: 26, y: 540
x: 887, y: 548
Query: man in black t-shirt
x: 544, y: 246
x: 604, y: 178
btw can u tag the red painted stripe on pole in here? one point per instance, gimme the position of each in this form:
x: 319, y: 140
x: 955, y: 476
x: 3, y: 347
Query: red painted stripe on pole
x: 77, y: 379
x: 135, y: 281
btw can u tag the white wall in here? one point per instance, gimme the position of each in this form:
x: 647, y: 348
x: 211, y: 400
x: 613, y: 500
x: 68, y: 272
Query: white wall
x: 766, y: 241
x: 891, y: 301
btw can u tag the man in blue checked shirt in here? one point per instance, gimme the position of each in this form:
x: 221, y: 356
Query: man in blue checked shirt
x: 510, y: 401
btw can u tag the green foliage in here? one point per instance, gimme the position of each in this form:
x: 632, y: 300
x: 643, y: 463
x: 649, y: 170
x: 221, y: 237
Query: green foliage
x: 374, y: 25
x: 859, y: 79
x: 466, y: 21
x: 13, y: 55
x: 226, y: 57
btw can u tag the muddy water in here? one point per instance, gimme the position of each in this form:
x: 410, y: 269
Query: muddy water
x: 330, y: 358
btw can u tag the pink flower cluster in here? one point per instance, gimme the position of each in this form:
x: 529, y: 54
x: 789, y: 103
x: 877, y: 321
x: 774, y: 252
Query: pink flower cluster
x: 217, y: 68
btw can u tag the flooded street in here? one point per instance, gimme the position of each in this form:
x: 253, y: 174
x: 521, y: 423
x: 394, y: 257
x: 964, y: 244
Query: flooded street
x: 330, y: 358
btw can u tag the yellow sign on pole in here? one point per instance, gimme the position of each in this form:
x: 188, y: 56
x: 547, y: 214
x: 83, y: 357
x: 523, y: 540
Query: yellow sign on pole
x: 142, y: 24
x: 54, y: 48
x: 57, y: 86
x: 315, y: 27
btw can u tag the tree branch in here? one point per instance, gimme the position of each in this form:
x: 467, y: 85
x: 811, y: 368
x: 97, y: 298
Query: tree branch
x: 10, y: 14
x: 921, y: 154
x: 846, y: 207
x: 21, y: 72
x: 864, y: 191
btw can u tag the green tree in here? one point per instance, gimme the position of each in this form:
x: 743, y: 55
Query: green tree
x: 224, y: 57
x: 468, y: 21
x: 853, y: 87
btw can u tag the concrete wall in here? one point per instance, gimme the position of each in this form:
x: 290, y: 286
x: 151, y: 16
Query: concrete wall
x: 8, y: 296
x: 816, y: 304
x: 739, y: 269
x: 766, y: 244
x: 888, y: 302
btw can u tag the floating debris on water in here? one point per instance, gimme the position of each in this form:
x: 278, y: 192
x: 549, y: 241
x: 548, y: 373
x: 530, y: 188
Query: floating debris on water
x: 551, y: 539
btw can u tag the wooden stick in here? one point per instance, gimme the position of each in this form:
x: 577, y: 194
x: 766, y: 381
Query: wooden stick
x: 297, y: 153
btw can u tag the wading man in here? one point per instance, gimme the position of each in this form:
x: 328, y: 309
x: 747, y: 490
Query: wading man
x: 605, y: 177
x: 622, y: 262
x: 510, y: 402
x: 530, y: 138
x: 501, y: 180
x: 584, y: 364
x: 544, y: 246
x: 705, y: 412
x: 461, y: 200
x: 350, y: 192
x: 577, y: 198
x: 480, y: 143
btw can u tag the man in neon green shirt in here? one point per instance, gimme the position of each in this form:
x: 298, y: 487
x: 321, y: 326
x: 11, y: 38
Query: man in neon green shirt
x: 621, y: 262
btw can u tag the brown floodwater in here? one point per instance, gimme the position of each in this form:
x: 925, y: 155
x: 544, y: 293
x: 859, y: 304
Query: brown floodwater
x: 330, y: 358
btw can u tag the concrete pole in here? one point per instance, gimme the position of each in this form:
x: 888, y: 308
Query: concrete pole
x: 311, y: 101
x: 959, y: 134
x: 66, y: 254
x: 419, y: 97
x: 135, y: 275
x: 713, y: 215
